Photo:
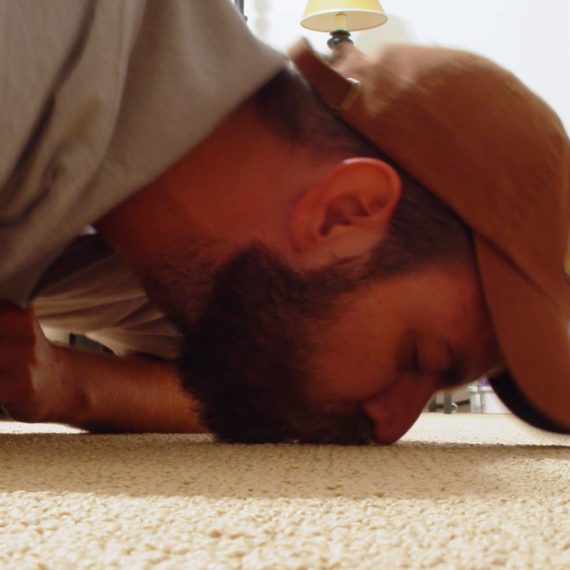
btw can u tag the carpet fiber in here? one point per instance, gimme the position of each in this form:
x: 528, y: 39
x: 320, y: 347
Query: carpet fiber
x: 461, y: 491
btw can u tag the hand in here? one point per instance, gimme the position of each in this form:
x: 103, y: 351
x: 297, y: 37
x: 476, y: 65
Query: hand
x: 44, y: 382
x: 29, y: 365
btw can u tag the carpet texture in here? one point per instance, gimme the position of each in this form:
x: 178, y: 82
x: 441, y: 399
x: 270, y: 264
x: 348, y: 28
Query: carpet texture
x: 461, y: 491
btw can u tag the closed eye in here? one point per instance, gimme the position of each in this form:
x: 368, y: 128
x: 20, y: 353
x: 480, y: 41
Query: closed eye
x: 452, y: 374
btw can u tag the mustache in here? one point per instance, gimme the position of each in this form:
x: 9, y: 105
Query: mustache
x: 317, y: 427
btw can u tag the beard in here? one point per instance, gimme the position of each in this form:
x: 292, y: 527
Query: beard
x: 246, y: 344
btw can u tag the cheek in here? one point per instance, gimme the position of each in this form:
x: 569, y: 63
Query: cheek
x: 354, y: 370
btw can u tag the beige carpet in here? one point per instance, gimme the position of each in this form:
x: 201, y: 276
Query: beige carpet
x: 461, y: 491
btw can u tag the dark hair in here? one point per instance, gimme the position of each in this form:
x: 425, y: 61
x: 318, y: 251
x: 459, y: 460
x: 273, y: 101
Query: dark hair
x: 246, y: 357
x: 423, y: 229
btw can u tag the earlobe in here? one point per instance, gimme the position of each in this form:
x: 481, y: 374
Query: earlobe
x: 349, y: 211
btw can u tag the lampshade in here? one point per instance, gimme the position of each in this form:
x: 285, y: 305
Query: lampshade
x: 349, y: 15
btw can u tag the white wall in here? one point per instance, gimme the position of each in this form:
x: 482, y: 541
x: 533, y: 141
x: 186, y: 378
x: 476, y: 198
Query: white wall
x: 530, y: 38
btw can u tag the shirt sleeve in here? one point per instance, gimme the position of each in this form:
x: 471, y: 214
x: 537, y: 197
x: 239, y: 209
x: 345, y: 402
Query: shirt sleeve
x: 97, y: 99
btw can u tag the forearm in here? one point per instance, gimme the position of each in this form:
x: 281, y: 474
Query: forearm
x: 102, y: 392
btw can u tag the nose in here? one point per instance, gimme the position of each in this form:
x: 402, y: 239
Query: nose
x: 395, y: 410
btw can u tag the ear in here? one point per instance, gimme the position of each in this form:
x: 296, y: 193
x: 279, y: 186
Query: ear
x: 347, y: 213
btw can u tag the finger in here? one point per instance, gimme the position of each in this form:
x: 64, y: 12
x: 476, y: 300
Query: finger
x: 16, y: 358
x: 17, y: 334
x: 15, y: 375
x: 15, y: 322
x: 7, y: 306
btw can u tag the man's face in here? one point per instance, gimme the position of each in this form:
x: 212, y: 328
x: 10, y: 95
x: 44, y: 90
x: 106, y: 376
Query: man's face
x: 278, y: 357
x: 398, y: 341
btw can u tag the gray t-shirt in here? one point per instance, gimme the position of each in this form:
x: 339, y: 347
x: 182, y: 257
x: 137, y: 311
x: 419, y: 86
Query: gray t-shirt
x: 98, y: 98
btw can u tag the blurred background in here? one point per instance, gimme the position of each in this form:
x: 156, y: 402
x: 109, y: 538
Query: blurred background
x: 532, y: 39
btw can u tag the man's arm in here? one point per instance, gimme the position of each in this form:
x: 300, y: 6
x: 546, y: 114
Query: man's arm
x: 44, y: 382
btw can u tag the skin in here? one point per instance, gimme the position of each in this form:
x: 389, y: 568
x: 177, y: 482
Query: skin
x: 244, y: 185
x: 44, y: 382
x: 312, y: 213
x: 435, y: 333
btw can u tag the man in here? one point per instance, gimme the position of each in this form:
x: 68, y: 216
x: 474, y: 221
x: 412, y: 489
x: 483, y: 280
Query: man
x: 332, y: 249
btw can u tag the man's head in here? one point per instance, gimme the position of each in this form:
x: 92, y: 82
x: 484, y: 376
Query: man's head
x: 324, y: 292
x: 283, y: 354
x: 500, y: 158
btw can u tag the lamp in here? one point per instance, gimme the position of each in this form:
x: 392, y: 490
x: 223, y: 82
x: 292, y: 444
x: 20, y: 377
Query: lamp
x: 340, y: 17
x: 239, y: 6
